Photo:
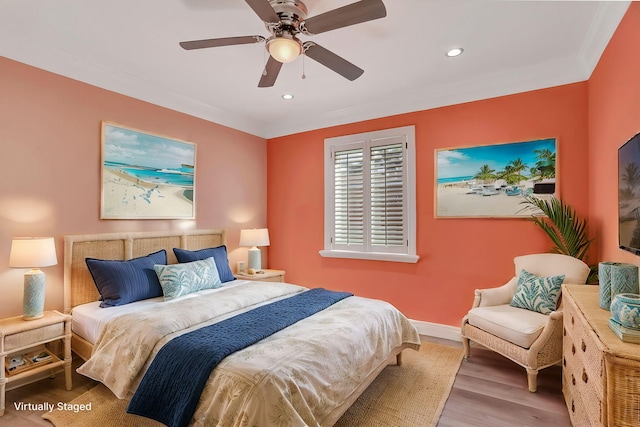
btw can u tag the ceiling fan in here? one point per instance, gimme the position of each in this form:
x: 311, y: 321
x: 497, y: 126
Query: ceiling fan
x: 285, y: 19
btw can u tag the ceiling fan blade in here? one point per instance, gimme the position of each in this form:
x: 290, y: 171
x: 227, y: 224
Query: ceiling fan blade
x: 270, y: 74
x: 336, y: 63
x: 355, y: 13
x: 263, y: 9
x: 225, y: 41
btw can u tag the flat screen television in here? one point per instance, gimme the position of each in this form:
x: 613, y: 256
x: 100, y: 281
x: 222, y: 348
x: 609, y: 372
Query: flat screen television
x: 629, y: 195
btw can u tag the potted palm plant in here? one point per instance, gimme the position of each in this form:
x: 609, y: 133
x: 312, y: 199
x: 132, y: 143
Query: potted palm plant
x: 565, y: 228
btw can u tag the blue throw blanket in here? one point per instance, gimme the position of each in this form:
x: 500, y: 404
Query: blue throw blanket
x: 171, y: 387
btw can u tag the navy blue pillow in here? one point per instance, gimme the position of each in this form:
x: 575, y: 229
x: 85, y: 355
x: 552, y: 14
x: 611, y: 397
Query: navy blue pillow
x: 219, y: 255
x: 122, y: 282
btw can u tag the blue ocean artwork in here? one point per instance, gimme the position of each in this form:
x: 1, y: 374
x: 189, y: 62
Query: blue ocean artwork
x: 148, y: 158
x: 146, y: 176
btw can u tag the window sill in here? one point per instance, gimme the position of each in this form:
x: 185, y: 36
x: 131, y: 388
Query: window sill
x: 373, y: 256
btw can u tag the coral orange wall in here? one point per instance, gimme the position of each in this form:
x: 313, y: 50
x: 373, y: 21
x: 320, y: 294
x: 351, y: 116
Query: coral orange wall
x: 456, y: 255
x: 614, y: 117
x: 50, y: 169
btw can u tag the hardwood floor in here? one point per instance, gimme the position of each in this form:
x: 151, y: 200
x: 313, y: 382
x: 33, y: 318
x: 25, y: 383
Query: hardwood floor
x: 489, y: 391
x: 492, y: 391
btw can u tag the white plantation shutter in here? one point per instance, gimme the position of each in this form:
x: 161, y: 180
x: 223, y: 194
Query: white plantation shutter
x: 370, y: 196
x: 349, y: 197
x: 387, y: 190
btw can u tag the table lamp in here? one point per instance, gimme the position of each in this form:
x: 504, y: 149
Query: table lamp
x: 254, y: 237
x: 33, y: 252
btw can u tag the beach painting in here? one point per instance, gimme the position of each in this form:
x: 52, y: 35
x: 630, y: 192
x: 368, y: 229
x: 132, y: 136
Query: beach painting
x: 493, y: 180
x: 146, y: 176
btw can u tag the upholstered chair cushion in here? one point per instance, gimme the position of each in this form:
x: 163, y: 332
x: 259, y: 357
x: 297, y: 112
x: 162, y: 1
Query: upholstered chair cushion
x: 574, y: 270
x: 516, y: 325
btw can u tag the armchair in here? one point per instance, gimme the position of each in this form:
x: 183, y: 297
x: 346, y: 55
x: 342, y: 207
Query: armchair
x: 529, y: 338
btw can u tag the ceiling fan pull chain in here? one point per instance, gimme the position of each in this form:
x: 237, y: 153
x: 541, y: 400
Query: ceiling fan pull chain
x: 264, y: 61
x: 303, y: 75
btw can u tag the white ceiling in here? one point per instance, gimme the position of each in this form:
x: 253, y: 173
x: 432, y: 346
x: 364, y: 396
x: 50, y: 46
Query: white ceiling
x: 131, y: 47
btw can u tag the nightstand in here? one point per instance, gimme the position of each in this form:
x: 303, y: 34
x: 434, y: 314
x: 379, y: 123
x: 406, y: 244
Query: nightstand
x: 266, y: 276
x: 20, y: 337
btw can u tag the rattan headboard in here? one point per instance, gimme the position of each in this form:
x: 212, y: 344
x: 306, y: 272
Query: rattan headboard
x: 78, y: 284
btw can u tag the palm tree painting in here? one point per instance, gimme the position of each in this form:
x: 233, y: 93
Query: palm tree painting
x: 629, y: 195
x: 492, y: 180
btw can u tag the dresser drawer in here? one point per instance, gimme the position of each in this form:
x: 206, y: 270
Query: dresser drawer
x: 584, y: 387
x: 583, y: 368
x: 571, y: 319
x: 591, y: 352
x: 584, y: 342
x: 26, y: 338
x: 575, y: 405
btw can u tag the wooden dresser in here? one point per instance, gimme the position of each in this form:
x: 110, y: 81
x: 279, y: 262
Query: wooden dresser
x: 600, y: 373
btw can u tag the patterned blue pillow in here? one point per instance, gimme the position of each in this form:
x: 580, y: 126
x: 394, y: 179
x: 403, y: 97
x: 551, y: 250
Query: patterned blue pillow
x: 537, y: 293
x: 122, y: 282
x: 182, y: 279
x: 219, y: 255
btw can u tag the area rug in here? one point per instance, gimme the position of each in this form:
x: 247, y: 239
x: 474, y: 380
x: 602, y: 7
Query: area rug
x: 410, y: 395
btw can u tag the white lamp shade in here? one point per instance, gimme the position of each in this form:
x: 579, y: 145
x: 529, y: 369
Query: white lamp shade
x: 254, y: 237
x: 284, y: 49
x: 32, y: 252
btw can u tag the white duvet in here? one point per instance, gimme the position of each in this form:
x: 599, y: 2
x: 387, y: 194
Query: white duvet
x: 296, y: 377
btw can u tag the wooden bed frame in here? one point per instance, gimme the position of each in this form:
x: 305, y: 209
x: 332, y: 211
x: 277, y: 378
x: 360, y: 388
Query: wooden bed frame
x: 79, y: 287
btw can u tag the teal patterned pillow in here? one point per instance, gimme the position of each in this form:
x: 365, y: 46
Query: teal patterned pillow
x: 182, y: 279
x: 537, y: 293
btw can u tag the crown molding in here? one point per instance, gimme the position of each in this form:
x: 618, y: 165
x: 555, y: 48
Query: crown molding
x: 506, y: 82
x: 603, y: 26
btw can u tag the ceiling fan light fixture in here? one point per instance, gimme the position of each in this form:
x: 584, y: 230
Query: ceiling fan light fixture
x: 284, y: 20
x: 284, y: 49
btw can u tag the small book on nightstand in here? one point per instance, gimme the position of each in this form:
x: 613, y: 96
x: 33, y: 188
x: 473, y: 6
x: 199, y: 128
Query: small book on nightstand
x: 624, y: 333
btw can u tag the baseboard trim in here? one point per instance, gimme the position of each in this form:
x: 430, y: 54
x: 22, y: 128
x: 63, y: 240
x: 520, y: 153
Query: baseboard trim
x: 437, y: 330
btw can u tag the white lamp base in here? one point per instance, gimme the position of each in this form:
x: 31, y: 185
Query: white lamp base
x: 33, y: 299
x: 255, y: 259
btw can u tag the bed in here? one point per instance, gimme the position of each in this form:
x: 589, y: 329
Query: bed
x: 307, y: 374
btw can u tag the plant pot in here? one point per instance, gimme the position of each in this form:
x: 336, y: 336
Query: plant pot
x: 625, y: 309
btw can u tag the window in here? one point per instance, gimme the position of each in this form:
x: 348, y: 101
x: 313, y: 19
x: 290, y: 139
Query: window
x: 370, y: 196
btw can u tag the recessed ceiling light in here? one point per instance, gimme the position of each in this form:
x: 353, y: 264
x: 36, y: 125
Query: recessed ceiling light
x: 454, y: 52
x: 287, y: 96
